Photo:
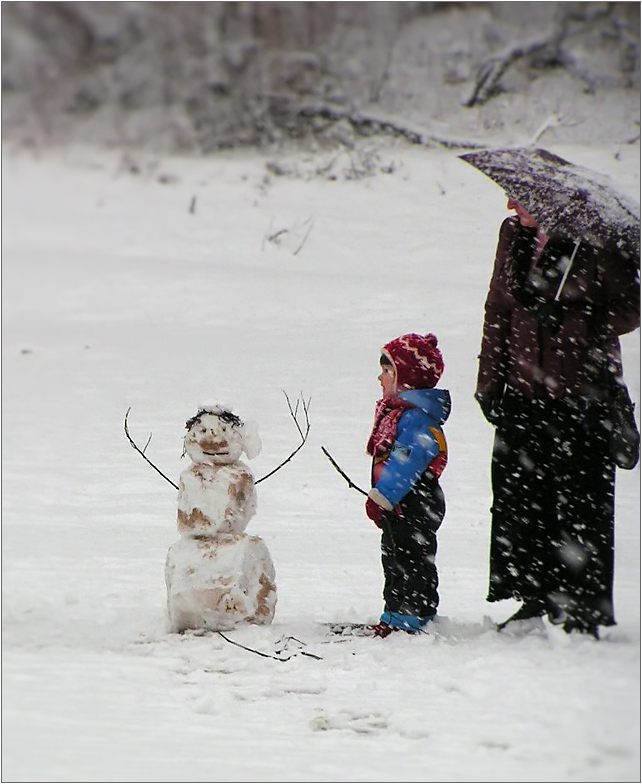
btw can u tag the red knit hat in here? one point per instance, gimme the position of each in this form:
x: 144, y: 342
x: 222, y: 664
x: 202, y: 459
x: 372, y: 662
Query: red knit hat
x: 416, y: 359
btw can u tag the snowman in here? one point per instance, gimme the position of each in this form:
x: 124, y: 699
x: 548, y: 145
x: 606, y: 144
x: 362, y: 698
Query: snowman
x: 217, y: 576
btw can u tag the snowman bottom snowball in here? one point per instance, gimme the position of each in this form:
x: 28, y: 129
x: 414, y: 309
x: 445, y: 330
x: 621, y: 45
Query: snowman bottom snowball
x: 218, y: 583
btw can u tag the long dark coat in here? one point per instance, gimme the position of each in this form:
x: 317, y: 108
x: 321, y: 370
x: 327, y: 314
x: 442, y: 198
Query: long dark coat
x: 552, y: 533
x: 599, y: 301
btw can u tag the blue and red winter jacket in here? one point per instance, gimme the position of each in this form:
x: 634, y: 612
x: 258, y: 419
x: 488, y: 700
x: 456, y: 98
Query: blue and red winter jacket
x: 419, y: 444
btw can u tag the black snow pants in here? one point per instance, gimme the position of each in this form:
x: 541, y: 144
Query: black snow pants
x: 552, y: 534
x: 408, y: 550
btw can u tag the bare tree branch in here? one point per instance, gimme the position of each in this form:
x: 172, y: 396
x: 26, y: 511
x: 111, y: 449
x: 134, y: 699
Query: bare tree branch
x: 554, y: 121
x: 490, y: 72
x: 351, y: 484
x: 294, y: 413
x: 302, y: 432
x: 307, y: 234
x: 280, y: 236
x: 141, y: 452
x: 375, y: 93
x: 493, y: 69
x: 372, y: 125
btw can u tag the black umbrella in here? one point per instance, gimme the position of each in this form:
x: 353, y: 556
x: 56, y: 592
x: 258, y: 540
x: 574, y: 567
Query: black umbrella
x: 564, y: 198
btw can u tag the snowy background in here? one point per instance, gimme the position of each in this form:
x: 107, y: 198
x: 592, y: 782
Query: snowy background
x: 200, y: 76
x: 115, y: 295
x: 156, y: 282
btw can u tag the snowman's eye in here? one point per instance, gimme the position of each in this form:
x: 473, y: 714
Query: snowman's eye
x: 203, y: 430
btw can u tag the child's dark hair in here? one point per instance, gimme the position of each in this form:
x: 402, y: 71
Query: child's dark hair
x: 384, y: 360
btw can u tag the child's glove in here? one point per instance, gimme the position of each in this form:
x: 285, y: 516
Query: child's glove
x: 375, y: 512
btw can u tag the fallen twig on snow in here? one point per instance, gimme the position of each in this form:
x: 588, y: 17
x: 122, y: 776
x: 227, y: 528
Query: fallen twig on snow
x: 307, y: 234
x: 271, y: 655
x: 280, y: 236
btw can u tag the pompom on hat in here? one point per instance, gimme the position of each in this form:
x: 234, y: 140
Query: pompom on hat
x: 416, y: 359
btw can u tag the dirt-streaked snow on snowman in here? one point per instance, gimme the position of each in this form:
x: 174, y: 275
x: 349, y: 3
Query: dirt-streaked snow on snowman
x: 217, y: 576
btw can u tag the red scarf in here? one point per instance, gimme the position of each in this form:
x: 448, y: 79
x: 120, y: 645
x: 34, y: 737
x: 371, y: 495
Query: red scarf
x: 387, y: 415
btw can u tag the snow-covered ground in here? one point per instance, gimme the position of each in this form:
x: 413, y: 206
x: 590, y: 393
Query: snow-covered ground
x: 214, y: 279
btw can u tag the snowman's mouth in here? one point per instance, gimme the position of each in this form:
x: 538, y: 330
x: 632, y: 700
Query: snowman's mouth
x: 215, y: 454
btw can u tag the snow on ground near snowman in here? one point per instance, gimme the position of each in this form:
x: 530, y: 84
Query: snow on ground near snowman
x: 210, y: 279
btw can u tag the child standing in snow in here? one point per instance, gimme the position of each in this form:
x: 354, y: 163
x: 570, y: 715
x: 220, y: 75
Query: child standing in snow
x: 409, y: 454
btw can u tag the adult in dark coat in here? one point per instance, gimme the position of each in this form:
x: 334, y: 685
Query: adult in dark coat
x: 550, y: 331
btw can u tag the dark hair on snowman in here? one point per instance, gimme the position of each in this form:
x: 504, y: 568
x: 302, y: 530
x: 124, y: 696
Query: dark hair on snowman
x: 226, y: 416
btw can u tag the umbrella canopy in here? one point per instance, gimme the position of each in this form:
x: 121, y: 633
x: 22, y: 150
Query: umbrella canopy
x: 564, y: 198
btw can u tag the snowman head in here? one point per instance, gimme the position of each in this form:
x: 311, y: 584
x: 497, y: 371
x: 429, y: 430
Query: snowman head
x: 216, y: 436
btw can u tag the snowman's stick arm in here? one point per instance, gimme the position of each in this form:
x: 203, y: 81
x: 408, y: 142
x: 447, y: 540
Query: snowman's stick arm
x: 295, y: 414
x: 302, y: 432
x: 141, y: 452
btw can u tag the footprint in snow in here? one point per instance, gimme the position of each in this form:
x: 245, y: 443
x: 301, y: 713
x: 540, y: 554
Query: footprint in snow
x: 363, y: 723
